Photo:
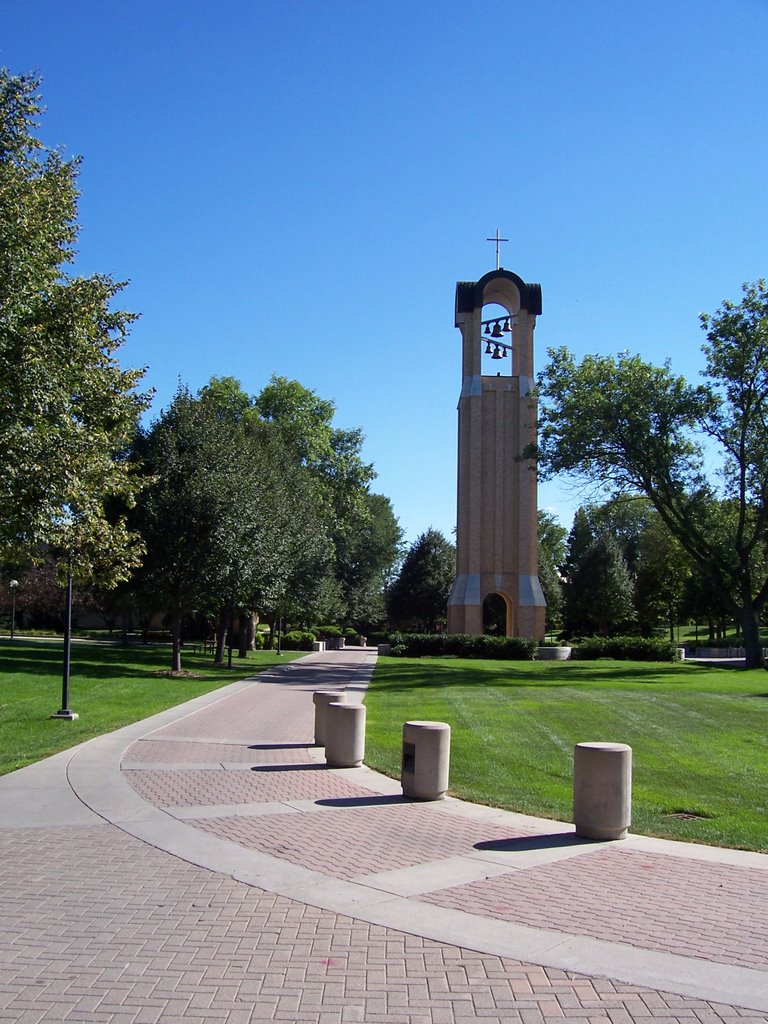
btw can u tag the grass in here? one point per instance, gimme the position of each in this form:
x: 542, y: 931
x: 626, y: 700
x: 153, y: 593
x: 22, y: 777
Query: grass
x: 699, y: 736
x: 110, y: 686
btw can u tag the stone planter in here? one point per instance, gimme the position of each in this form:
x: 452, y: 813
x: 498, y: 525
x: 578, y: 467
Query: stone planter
x: 553, y: 653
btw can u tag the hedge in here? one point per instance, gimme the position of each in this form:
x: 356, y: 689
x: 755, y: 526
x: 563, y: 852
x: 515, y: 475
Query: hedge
x: 462, y: 645
x: 625, y: 648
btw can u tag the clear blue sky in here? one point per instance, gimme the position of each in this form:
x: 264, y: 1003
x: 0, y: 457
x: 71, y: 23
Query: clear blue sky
x: 295, y: 186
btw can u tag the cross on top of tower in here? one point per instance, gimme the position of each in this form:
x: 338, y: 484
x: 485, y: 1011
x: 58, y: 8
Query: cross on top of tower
x: 498, y: 240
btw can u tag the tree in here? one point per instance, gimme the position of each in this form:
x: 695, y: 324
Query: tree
x: 333, y: 459
x: 633, y: 427
x: 365, y: 559
x: 67, y: 409
x: 551, y: 555
x: 418, y: 598
x: 598, y: 585
x: 663, y: 570
x: 186, y: 514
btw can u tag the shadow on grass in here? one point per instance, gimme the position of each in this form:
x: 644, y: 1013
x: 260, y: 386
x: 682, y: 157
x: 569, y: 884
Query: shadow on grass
x: 429, y: 672
x: 100, y: 662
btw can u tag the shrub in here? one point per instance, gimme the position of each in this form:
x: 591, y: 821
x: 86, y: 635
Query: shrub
x: 625, y: 648
x: 462, y: 645
x: 327, y: 632
x: 298, y: 640
x: 259, y: 639
x: 350, y: 634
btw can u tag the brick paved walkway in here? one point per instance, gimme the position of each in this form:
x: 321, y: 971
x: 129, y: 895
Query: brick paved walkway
x: 368, y: 907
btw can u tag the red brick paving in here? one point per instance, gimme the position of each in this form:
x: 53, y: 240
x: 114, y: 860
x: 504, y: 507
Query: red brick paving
x: 277, y: 712
x: 152, y: 751
x: 691, y: 907
x: 99, y: 928
x: 346, y: 842
x: 190, y: 788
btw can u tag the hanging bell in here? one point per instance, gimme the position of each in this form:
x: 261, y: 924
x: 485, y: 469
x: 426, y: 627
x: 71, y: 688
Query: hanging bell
x: 497, y: 353
x: 506, y: 328
x: 488, y: 348
x: 496, y: 333
x: 488, y: 328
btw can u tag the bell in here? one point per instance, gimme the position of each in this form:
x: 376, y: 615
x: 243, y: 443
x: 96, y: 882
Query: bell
x: 497, y: 353
x: 496, y: 333
x: 506, y: 328
x: 488, y: 349
x: 488, y: 328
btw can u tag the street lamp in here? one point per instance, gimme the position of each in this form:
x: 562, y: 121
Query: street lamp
x: 13, y: 585
x: 64, y: 711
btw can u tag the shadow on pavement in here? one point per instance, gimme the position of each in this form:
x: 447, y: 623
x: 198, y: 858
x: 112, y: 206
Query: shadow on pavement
x: 523, y: 843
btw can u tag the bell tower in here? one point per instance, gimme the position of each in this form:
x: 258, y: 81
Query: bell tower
x: 496, y: 549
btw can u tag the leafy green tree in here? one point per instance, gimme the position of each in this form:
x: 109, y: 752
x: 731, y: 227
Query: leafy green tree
x: 189, y: 515
x: 633, y: 427
x: 67, y: 410
x: 663, y: 570
x: 599, y: 590
x: 332, y: 457
x: 551, y: 555
x: 418, y: 597
x: 366, y: 557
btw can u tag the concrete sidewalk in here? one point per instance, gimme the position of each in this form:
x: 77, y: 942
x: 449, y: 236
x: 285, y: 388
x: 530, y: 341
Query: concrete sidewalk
x: 205, y: 866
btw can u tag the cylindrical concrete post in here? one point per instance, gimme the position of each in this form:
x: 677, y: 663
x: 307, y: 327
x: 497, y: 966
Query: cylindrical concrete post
x: 321, y: 699
x: 426, y: 760
x: 602, y: 790
x: 345, y: 735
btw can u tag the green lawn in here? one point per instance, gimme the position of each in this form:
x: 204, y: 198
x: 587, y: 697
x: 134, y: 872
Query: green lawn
x: 699, y: 736
x: 110, y: 686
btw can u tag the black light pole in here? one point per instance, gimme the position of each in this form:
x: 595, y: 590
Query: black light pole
x: 13, y: 585
x: 64, y: 711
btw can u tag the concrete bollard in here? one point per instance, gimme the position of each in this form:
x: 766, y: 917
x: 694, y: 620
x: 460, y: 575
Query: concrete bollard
x: 681, y: 653
x: 345, y: 735
x: 602, y: 790
x: 321, y: 699
x: 426, y: 760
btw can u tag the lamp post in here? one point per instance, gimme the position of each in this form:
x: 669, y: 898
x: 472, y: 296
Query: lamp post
x: 13, y: 585
x: 64, y: 711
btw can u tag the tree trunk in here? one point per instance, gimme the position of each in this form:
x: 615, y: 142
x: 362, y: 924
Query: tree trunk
x: 176, y: 642
x: 242, y: 640
x: 221, y: 636
x: 753, y: 647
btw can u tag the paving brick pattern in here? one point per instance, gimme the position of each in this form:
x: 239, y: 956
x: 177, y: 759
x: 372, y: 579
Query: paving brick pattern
x: 691, y: 907
x: 99, y: 928
x: 280, y: 712
x: 190, y: 788
x: 345, y: 843
x: 172, y: 752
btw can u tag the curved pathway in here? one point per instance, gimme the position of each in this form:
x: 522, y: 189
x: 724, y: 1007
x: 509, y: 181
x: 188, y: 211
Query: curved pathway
x: 204, y: 865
